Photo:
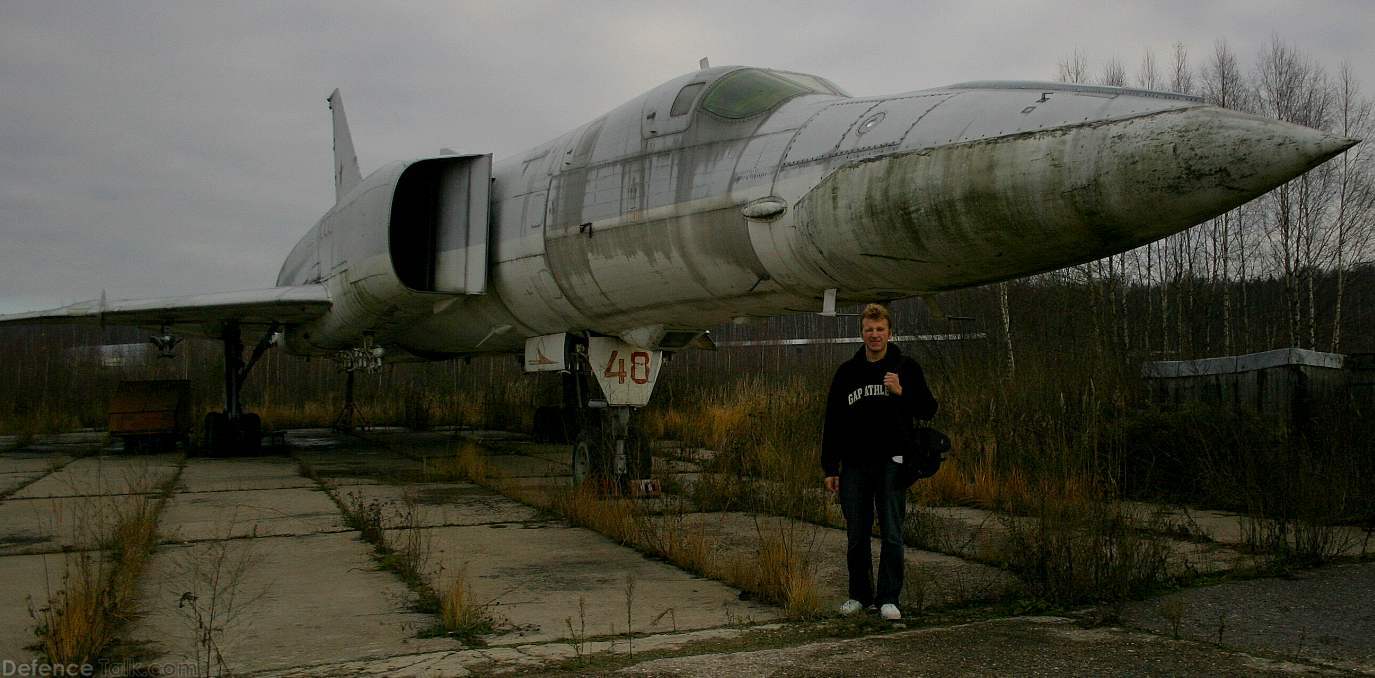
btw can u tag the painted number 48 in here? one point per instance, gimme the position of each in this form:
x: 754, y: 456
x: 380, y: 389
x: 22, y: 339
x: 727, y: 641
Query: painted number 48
x: 639, y: 367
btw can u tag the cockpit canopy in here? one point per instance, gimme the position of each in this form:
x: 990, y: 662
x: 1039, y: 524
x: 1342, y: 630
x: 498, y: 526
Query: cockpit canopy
x: 750, y: 91
x: 724, y: 94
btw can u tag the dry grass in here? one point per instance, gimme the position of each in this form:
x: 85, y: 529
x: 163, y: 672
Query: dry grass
x: 98, y: 590
x: 46, y: 420
x: 282, y: 416
x: 1076, y: 548
x: 214, y: 578
x: 462, y: 616
x: 467, y: 463
x: 780, y: 571
x: 407, y: 549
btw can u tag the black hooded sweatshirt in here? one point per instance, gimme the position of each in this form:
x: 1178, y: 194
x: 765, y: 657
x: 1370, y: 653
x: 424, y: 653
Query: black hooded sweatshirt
x: 866, y: 424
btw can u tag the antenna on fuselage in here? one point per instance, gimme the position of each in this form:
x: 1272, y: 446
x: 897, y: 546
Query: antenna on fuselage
x: 346, y: 174
x: 704, y: 64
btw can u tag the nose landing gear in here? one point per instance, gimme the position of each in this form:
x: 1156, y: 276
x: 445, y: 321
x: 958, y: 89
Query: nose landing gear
x: 610, y: 450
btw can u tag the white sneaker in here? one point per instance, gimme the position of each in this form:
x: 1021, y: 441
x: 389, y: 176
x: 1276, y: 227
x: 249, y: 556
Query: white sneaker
x: 851, y: 606
x: 889, y: 611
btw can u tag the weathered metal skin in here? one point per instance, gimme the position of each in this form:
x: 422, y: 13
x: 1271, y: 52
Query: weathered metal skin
x: 642, y: 219
x: 981, y: 211
x: 347, y: 252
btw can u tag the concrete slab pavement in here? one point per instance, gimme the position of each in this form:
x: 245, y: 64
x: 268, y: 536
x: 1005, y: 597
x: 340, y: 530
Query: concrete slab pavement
x: 980, y: 535
x: 298, y: 601
x: 525, y: 466
x: 191, y: 516
x: 1017, y: 646
x: 26, y: 579
x: 529, y: 658
x: 933, y: 579
x: 103, y: 475
x: 537, y: 575
x: 26, y: 462
x: 1235, y: 529
x: 47, y: 525
x: 438, y: 504
x: 243, y: 473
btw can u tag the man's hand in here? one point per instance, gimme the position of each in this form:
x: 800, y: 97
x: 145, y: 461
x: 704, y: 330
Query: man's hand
x: 890, y: 380
x: 832, y: 484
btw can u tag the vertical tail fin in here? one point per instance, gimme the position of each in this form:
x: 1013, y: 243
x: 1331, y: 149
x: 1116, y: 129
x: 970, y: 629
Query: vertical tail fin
x: 346, y: 174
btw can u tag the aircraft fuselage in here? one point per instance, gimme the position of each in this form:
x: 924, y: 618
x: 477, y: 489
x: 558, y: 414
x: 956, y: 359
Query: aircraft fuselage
x: 686, y: 207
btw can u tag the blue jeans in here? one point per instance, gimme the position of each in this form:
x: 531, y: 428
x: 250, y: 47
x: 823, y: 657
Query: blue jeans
x: 864, y: 491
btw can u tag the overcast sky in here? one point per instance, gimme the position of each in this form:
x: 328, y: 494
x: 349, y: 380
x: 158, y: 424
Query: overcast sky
x: 152, y: 149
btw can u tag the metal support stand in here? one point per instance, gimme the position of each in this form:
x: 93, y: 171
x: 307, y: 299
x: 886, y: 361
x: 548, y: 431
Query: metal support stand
x: 344, y: 422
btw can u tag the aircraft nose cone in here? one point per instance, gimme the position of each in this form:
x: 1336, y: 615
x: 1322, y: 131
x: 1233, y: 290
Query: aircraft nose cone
x: 998, y: 208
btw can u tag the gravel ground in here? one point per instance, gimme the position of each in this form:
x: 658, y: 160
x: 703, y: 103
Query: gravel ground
x: 1324, y: 616
x: 1019, y: 646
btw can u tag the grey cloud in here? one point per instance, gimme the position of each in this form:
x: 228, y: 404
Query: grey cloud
x: 157, y: 148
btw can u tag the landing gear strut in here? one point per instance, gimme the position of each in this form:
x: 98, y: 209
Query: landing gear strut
x: 234, y: 430
x: 344, y: 421
x: 609, y: 448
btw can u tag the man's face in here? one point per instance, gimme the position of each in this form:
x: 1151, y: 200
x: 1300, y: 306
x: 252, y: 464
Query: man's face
x: 876, y: 334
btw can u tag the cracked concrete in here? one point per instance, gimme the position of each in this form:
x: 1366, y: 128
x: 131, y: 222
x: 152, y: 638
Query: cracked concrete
x: 310, y: 598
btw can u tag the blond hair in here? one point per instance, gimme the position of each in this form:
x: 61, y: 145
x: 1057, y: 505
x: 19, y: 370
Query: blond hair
x: 876, y: 312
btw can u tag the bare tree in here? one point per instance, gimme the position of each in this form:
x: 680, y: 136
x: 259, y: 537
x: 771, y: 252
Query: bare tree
x: 1148, y: 73
x: 1292, y: 89
x: 1354, y: 231
x: 1224, y: 86
x: 1114, y: 73
x: 1279, y: 74
x: 1182, y: 77
x: 1074, y: 68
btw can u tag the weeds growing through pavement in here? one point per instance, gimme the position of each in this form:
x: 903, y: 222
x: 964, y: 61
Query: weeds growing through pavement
x: 1075, y: 549
x: 1172, y: 609
x: 467, y: 463
x: 215, y: 595
x: 98, y: 590
x: 629, y: 608
x: 464, y: 617
x: 406, y: 549
x: 578, y: 635
x: 779, y: 571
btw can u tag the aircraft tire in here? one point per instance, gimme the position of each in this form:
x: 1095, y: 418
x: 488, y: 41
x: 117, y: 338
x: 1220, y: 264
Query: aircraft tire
x: 582, y: 462
x: 639, y: 455
x: 251, y: 433
x: 589, y: 452
x: 215, y: 433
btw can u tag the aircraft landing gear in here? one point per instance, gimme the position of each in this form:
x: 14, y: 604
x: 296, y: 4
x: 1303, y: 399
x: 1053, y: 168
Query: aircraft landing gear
x: 233, y: 430
x: 346, y: 420
x: 610, y: 450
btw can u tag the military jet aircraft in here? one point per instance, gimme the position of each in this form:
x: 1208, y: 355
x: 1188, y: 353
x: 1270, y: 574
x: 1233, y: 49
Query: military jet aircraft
x: 726, y: 192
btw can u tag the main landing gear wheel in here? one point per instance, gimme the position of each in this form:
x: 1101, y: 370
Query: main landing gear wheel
x: 224, y: 437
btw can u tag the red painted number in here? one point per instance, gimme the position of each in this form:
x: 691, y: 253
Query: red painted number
x: 639, y: 367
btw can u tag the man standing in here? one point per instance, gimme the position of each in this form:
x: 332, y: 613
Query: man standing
x: 874, y: 398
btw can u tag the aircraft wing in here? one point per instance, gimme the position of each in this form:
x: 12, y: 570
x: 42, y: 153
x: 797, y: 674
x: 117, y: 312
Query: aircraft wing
x: 201, y: 315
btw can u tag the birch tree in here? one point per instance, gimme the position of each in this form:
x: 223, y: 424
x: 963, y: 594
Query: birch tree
x: 1224, y: 86
x: 1354, y: 232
